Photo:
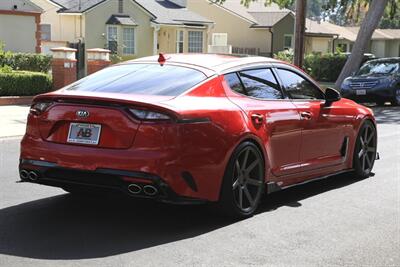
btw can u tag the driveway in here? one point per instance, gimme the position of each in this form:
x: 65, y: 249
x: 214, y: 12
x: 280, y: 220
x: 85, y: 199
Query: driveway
x: 339, y: 221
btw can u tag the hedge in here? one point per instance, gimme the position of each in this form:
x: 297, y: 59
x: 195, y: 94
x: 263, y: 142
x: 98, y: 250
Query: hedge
x: 322, y: 67
x: 325, y: 67
x: 24, y: 83
x: 26, y: 61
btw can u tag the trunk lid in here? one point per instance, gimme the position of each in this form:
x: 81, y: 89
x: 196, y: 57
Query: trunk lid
x: 106, y: 120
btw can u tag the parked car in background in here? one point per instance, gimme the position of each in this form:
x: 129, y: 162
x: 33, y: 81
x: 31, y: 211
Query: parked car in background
x: 366, y: 57
x: 377, y: 81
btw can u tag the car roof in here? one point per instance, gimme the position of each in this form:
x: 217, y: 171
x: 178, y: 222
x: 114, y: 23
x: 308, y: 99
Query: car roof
x: 214, y: 62
x: 387, y: 59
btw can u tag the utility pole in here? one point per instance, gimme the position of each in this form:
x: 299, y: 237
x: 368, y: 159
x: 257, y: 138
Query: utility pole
x: 300, y: 27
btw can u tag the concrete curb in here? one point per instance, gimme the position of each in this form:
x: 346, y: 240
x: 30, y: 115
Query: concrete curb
x: 15, y: 100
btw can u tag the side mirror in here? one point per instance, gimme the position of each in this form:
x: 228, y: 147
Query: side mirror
x: 331, y: 95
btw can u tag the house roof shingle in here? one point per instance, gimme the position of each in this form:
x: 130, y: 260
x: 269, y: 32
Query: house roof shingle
x: 268, y: 19
x: 76, y: 6
x: 250, y: 13
x: 163, y: 11
x: 119, y: 19
x: 166, y: 12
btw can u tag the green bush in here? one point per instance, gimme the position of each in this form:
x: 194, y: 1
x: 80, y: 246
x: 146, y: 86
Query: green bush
x: 24, y: 83
x: 286, y: 55
x: 324, y: 67
x: 25, y: 61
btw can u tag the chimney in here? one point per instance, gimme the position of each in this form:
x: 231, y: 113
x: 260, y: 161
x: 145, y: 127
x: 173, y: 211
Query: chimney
x: 181, y: 3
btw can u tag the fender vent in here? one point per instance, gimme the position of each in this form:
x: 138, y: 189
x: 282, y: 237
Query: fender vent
x: 188, y: 178
x: 345, y: 146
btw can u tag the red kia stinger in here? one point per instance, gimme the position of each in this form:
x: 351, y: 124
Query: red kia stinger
x: 195, y: 128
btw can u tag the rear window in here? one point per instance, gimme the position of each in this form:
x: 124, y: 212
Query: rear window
x: 143, y: 79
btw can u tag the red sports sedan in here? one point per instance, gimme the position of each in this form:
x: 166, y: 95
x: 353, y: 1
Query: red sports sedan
x: 195, y: 128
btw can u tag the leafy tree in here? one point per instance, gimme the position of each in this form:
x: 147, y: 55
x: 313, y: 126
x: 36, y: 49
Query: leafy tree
x: 391, y: 17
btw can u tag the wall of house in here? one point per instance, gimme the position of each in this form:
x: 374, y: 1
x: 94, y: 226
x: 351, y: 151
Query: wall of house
x: 378, y: 48
x: 18, y: 33
x: 95, y: 23
x: 239, y: 32
x: 393, y: 48
x: 66, y: 28
x: 167, y: 39
x: 21, y: 6
x: 318, y: 44
x: 284, y: 26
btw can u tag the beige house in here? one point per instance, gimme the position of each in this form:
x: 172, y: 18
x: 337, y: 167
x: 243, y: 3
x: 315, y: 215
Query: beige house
x: 256, y: 29
x: 130, y: 28
x: 20, y: 26
x: 384, y: 42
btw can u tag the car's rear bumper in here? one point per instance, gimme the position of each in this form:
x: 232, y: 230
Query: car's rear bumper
x: 178, y: 174
x: 49, y: 173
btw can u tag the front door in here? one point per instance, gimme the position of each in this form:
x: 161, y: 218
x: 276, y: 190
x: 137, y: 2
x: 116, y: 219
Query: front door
x: 324, y: 139
x: 272, y: 117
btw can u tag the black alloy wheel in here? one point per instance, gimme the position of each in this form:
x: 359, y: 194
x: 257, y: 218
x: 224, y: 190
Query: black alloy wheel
x: 243, y: 184
x: 365, y: 150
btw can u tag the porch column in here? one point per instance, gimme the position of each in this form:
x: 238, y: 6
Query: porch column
x: 63, y: 66
x: 97, y: 59
x: 156, y: 29
x: 209, y: 38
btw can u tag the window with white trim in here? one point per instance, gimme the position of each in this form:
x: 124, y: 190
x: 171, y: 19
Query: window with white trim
x: 128, y: 38
x: 342, y: 47
x: 220, y: 39
x: 45, y: 32
x: 179, y: 41
x: 112, y: 38
x: 195, y: 42
x: 287, y: 41
x: 120, y: 6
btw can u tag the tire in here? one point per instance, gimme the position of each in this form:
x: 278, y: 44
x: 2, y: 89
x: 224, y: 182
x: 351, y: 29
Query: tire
x: 243, y: 182
x: 365, y: 150
x: 380, y: 103
x: 396, y: 99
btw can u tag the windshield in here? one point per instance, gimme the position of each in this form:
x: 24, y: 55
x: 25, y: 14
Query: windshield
x: 379, y: 68
x: 144, y: 79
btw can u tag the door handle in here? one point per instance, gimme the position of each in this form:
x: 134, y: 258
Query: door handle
x: 305, y: 115
x: 257, y: 118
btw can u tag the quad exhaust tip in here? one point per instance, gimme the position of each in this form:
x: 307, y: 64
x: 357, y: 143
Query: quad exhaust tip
x: 24, y: 174
x: 33, y: 176
x: 134, y: 189
x: 150, y: 190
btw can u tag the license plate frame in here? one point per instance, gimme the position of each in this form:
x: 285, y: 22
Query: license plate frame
x: 361, y: 92
x: 87, y: 128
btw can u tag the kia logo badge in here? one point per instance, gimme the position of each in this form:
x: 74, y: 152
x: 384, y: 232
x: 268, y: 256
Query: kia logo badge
x: 82, y: 113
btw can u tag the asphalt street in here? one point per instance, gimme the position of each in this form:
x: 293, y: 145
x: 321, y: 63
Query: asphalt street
x: 339, y: 221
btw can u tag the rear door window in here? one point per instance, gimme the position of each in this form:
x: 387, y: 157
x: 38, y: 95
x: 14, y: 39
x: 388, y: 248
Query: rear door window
x: 261, y: 83
x: 143, y: 79
x: 257, y: 83
x: 234, y: 83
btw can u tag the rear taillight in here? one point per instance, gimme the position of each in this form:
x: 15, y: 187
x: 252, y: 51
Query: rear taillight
x: 143, y: 114
x: 40, y: 107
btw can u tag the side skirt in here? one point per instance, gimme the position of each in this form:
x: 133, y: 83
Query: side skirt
x: 274, y: 187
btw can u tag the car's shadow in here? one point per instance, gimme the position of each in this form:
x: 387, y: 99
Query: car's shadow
x: 70, y: 227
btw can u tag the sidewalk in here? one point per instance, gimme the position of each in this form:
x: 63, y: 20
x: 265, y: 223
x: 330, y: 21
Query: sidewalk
x: 13, y: 120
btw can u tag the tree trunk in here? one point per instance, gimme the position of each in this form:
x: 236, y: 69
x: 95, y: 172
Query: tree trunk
x: 368, y: 26
x: 300, y: 25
